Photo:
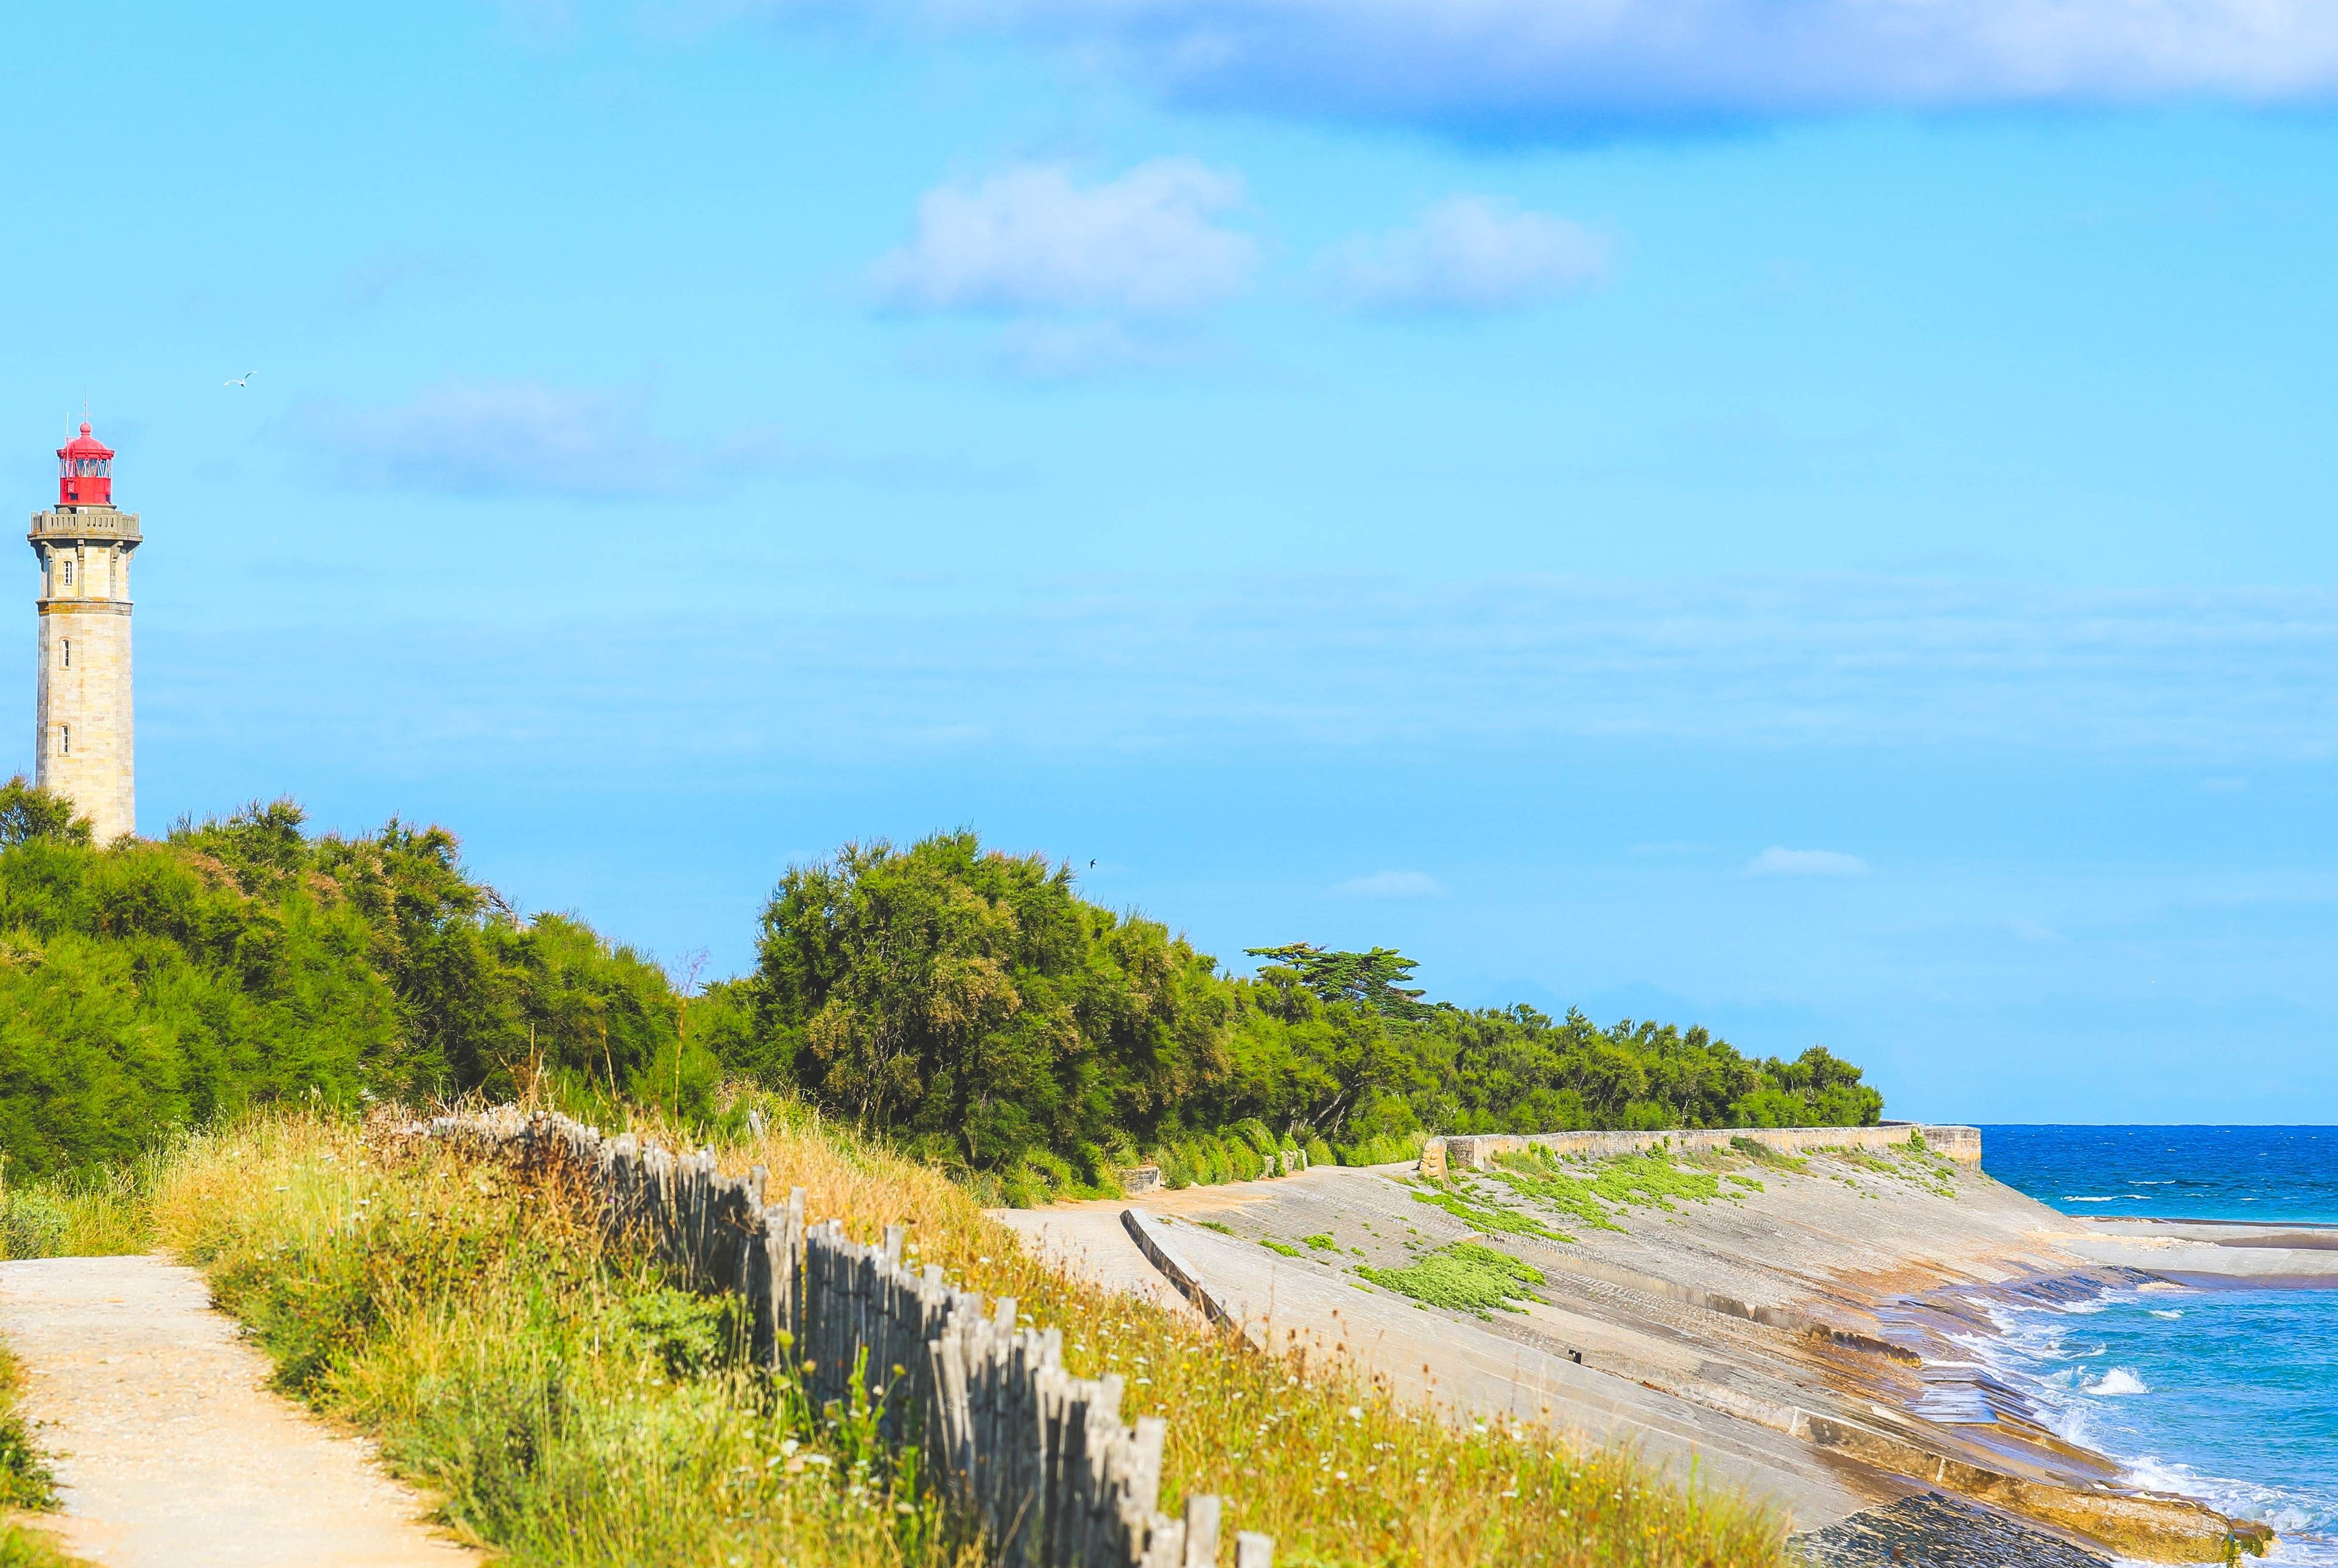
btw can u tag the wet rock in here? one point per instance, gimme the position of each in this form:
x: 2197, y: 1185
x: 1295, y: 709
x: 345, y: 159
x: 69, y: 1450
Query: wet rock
x: 1934, y: 1531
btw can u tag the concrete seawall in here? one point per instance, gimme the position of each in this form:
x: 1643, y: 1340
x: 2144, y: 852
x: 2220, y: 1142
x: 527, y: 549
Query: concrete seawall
x: 1477, y: 1152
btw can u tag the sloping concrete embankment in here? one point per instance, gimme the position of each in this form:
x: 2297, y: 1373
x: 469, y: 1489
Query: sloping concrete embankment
x: 1807, y: 1340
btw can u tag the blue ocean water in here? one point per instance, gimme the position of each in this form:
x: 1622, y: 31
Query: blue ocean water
x: 2231, y: 1396
x: 2268, y: 1173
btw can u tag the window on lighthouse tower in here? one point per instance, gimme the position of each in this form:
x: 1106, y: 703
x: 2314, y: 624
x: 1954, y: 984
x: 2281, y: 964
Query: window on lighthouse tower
x: 68, y: 652
x: 68, y: 571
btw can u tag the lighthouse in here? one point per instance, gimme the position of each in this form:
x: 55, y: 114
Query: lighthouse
x: 81, y: 740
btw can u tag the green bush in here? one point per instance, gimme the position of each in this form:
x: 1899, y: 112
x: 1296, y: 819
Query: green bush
x: 33, y: 1224
x: 150, y: 986
x: 971, y: 1003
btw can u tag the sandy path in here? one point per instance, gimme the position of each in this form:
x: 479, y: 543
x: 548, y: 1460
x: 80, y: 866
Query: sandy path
x: 170, y: 1453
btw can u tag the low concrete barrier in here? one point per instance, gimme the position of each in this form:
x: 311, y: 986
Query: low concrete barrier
x: 1477, y: 1150
x: 1151, y: 1239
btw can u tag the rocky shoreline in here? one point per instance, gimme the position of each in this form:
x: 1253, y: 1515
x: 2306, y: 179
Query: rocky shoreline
x: 1799, y: 1331
x: 1933, y: 1530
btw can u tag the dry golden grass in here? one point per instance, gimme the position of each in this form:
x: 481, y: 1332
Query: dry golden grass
x: 1331, y: 1464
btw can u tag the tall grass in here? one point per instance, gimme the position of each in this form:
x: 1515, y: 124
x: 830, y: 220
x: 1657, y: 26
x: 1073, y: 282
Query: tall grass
x: 563, y: 1402
x: 509, y: 1364
x: 92, y: 1214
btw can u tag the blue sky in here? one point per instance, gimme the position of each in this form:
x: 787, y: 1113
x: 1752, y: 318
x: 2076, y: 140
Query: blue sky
x: 1812, y: 517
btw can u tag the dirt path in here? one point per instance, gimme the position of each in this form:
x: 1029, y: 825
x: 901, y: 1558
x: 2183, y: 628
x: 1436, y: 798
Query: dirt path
x: 169, y: 1451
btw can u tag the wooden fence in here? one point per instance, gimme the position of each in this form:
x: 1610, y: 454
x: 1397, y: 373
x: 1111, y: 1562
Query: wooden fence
x: 1037, y: 1457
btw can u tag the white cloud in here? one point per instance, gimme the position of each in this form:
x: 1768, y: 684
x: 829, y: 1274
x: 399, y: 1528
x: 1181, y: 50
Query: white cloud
x: 1778, y: 862
x: 1527, y: 67
x: 1029, y: 240
x: 498, y: 438
x: 1392, y: 884
x: 1467, y: 253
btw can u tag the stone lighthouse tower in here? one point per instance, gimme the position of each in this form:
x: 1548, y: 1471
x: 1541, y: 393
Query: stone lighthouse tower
x: 83, y: 740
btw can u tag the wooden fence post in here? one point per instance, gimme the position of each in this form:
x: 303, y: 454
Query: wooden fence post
x: 1039, y: 1457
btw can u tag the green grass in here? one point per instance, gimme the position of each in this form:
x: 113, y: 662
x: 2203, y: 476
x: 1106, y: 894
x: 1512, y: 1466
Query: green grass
x: 22, y: 1547
x: 97, y: 1214
x: 1465, y: 1276
x: 1761, y: 1153
x: 27, y: 1484
x: 1323, y: 1242
x: 1285, y: 1248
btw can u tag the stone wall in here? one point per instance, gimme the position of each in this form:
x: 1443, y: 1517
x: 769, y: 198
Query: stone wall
x: 1477, y: 1152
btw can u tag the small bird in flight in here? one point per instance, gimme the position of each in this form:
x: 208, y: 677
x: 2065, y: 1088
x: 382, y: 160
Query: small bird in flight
x: 240, y: 380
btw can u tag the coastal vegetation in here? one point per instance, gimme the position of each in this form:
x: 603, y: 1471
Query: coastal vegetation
x: 1465, y: 1276
x: 973, y: 1005
x: 969, y: 1006
x: 571, y: 1406
x: 157, y: 984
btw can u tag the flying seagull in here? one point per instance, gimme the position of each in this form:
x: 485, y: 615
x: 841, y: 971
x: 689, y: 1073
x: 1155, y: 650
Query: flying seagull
x: 241, y: 379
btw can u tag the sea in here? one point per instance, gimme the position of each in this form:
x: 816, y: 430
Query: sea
x: 2228, y: 1395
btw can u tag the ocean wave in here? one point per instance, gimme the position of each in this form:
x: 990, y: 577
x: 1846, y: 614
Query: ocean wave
x: 2058, y: 1369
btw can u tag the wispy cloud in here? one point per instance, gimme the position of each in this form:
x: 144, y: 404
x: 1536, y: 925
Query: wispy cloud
x: 498, y: 438
x: 531, y: 438
x: 1530, y: 67
x: 1775, y: 861
x: 1467, y: 254
x: 1029, y: 239
x: 1392, y: 884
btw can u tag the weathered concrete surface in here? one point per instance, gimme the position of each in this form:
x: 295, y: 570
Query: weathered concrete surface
x: 1087, y: 1241
x: 1455, y: 1362
x: 1806, y: 1340
x: 169, y: 1450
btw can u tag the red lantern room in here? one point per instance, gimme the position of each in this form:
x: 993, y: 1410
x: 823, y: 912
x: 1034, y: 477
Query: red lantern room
x: 85, y: 471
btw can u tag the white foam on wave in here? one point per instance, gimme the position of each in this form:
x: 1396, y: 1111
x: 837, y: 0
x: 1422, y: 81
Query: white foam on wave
x: 2039, y: 1352
x: 2166, y: 1312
